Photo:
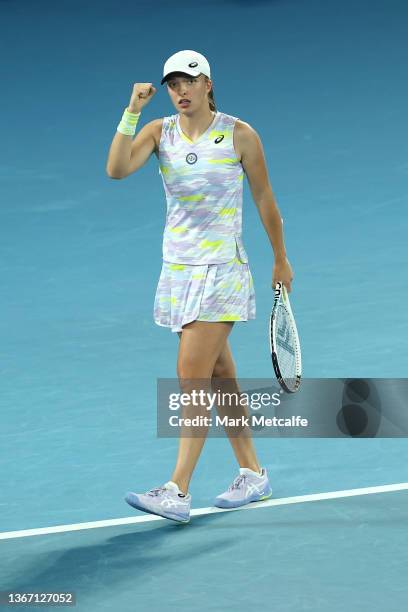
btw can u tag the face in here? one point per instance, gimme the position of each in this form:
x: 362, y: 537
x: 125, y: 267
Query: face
x: 192, y: 88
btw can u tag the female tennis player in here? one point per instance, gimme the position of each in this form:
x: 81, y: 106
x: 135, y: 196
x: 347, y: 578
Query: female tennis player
x: 205, y: 283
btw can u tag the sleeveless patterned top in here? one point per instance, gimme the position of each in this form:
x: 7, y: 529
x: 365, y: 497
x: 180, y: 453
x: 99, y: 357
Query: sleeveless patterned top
x: 203, y: 183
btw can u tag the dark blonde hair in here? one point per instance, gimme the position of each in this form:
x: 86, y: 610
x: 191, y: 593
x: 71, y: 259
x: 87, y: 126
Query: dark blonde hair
x: 211, y: 100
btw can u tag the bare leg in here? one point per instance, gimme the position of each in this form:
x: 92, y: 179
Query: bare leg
x: 241, y: 440
x: 200, y: 346
x: 242, y: 443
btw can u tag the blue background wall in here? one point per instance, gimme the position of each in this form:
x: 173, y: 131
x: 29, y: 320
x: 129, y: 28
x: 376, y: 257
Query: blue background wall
x: 324, y: 84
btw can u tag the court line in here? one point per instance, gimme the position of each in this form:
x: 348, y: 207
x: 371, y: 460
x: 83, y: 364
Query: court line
x: 23, y: 533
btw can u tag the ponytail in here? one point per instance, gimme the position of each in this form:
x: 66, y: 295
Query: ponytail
x: 211, y: 100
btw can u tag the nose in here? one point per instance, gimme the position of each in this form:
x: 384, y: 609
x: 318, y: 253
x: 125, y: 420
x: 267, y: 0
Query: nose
x: 182, y: 88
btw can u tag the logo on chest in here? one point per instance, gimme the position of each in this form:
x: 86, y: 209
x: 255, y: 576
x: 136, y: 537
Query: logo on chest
x: 191, y: 158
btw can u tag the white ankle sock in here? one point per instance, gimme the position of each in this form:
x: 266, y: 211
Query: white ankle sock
x: 173, y: 486
x: 250, y: 472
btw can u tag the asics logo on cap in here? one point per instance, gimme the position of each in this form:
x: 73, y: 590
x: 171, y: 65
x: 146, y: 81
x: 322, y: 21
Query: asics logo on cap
x: 188, y: 61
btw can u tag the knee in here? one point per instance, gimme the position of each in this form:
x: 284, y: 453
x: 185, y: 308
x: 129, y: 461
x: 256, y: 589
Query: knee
x: 223, y: 370
x: 188, y: 369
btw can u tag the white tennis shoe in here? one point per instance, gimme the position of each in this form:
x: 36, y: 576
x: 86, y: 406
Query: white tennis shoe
x: 166, y: 501
x: 246, y: 488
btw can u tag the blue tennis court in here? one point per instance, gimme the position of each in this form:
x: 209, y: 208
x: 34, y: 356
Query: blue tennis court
x: 324, y: 85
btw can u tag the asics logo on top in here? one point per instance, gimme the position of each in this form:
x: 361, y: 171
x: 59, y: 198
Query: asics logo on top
x: 219, y: 138
x: 193, y: 64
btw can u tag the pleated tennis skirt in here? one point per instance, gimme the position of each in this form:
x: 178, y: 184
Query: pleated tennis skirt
x: 208, y: 292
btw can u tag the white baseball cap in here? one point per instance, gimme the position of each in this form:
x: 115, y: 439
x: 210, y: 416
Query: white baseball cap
x: 190, y: 62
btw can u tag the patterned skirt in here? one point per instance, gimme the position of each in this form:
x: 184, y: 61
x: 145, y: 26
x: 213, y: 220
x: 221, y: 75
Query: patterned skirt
x: 208, y: 292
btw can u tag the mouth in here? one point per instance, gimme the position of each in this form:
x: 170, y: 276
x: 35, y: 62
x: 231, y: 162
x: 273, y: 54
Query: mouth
x: 184, y: 102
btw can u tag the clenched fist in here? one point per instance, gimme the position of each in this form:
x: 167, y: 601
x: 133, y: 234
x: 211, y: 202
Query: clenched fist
x: 141, y: 95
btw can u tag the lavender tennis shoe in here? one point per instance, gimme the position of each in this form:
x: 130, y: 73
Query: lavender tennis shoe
x: 247, y: 487
x: 166, y: 501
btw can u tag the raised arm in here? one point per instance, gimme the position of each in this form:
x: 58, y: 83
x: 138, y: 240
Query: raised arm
x: 128, y: 153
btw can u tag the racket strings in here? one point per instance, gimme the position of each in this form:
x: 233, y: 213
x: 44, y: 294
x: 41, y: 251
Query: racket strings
x: 286, y: 346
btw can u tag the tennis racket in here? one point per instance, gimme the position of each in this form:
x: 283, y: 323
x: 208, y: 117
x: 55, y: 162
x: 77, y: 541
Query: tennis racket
x: 284, y: 342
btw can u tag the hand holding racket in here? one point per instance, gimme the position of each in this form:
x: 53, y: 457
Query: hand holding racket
x: 284, y: 342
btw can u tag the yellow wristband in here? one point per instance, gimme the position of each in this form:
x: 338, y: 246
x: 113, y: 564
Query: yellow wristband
x: 128, y: 123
